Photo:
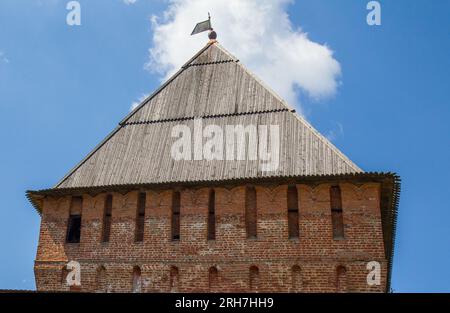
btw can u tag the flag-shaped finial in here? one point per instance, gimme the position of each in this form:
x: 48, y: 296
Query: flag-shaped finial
x: 204, y: 26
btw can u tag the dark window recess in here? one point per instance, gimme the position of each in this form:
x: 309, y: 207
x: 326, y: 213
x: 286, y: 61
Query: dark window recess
x: 174, y: 279
x: 74, y: 222
x: 213, y: 277
x: 101, y: 281
x: 107, y: 218
x: 64, y: 273
x: 137, y: 280
x: 341, y: 279
x: 176, y: 216
x: 296, y: 278
x: 212, y: 216
x: 254, y: 278
x: 292, y: 199
x: 140, y: 217
x: 250, y: 212
x: 337, y: 217
x: 74, y: 229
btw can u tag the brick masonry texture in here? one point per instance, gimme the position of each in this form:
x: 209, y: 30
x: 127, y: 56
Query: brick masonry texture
x: 305, y: 264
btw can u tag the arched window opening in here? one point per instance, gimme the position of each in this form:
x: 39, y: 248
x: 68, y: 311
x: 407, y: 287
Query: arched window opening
x: 101, y: 282
x: 174, y: 279
x: 341, y: 279
x: 137, y: 280
x: 64, y: 273
x: 213, y: 278
x: 254, y: 278
x: 296, y: 274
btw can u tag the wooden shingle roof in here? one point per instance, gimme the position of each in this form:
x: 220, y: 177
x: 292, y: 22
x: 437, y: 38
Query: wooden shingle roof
x: 215, y: 87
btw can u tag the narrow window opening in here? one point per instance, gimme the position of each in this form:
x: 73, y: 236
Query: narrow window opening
x: 336, y: 212
x: 174, y: 279
x: 140, y: 218
x: 74, y: 223
x: 137, y: 280
x: 101, y: 284
x: 213, y: 278
x: 250, y: 212
x: 64, y: 273
x: 212, y: 215
x: 254, y: 278
x: 176, y: 216
x: 292, y: 199
x: 296, y: 278
x: 341, y: 279
x: 107, y: 218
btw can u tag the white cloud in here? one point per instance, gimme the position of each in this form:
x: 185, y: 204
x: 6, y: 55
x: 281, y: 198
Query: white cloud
x: 128, y: 2
x: 135, y: 104
x: 259, y: 33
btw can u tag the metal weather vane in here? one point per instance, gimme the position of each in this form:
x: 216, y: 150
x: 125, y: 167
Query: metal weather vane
x: 204, y: 26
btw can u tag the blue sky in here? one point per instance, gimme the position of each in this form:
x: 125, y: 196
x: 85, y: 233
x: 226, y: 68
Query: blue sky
x: 63, y: 89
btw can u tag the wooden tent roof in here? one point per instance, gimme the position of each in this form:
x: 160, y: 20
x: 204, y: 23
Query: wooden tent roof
x: 217, y: 88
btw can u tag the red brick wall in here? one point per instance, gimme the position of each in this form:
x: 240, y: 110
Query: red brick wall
x: 316, y: 252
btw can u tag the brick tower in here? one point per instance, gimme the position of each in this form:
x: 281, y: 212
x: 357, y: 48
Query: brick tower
x: 139, y: 217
